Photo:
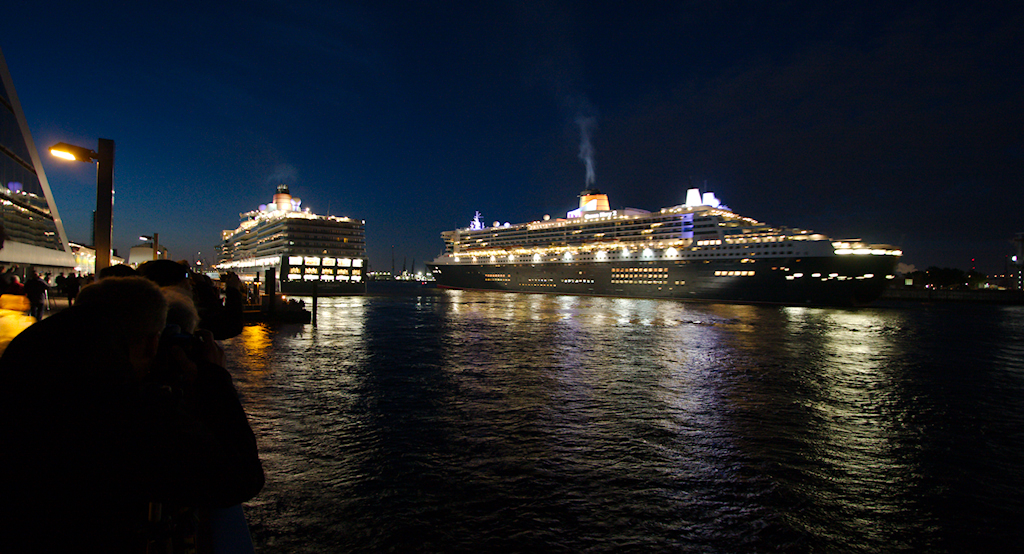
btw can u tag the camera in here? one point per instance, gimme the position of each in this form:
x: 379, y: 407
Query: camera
x: 166, y: 368
x: 175, y: 337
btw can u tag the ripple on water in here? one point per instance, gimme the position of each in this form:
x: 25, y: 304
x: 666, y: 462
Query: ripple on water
x: 465, y: 422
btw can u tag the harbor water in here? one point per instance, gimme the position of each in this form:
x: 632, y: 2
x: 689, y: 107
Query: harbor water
x: 493, y: 422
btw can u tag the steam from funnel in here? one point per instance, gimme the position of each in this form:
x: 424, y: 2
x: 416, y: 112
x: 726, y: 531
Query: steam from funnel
x: 283, y: 173
x: 587, y: 125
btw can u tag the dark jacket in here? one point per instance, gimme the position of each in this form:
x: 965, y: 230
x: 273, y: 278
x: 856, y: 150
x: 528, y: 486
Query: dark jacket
x: 86, y: 447
x: 35, y: 290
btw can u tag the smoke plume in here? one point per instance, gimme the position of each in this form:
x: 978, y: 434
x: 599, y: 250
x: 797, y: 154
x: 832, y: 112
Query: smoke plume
x: 587, y: 125
x: 283, y: 173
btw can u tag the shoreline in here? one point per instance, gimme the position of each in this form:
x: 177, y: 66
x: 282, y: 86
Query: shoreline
x: 1006, y: 297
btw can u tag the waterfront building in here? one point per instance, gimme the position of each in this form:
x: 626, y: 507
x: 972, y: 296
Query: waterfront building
x: 142, y: 253
x: 307, y: 253
x: 32, y: 232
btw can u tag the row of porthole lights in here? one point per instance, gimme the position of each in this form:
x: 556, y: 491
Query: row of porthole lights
x: 830, y: 276
x: 601, y: 255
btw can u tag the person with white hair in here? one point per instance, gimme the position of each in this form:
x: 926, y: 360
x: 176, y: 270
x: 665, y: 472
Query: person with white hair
x: 106, y: 440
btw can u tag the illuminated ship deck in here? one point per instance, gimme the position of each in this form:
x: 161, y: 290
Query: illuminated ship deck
x: 699, y: 250
x: 307, y: 252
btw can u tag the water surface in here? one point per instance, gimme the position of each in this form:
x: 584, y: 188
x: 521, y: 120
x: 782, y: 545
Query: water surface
x: 468, y: 422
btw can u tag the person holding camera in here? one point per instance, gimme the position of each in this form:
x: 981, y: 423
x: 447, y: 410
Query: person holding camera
x: 105, y: 440
x: 221, y: 317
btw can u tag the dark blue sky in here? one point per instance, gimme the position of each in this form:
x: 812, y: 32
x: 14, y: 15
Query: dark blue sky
x: 889, y: 121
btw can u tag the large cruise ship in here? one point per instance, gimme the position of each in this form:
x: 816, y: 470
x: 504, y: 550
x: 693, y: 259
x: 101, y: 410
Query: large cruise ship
x: 308, y: 253
x: 699, y: 250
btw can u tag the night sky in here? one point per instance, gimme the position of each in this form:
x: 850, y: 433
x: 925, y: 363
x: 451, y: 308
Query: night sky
x: 895, y: 122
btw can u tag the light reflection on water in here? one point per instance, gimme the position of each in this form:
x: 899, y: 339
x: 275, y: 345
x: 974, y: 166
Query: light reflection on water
x: 467, y: 421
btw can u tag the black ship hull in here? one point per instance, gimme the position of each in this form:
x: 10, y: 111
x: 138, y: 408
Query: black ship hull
x: 815, y: 281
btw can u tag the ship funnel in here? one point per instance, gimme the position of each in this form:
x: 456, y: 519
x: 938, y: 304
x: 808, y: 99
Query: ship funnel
x: 283, y: 199
x: 591, y: 200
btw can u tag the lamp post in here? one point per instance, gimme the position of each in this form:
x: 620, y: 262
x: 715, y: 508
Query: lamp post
x: 104, y: 158
x: 156, y: 244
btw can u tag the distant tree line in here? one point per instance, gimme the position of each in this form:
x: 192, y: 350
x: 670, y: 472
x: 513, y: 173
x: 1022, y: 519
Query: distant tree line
x: 947, y: 278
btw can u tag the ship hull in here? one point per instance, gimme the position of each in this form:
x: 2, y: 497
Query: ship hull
x: 816, y: 281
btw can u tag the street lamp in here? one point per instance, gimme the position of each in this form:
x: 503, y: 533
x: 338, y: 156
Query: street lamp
x: 104, y: 159
x: 156, y: 243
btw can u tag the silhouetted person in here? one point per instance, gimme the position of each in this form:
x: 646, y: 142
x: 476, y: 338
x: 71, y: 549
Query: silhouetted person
x: 98, y: 438
x: 72, y: 284
x: 223, y: 319
x: 35, y: 290
x: 5, y: 277
x: 117, y: 270
x: 15, y: 286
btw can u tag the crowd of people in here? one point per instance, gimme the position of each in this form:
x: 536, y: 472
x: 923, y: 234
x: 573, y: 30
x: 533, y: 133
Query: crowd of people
x: 38, y: 287
x: 120, y: 428
x: 24, y: 303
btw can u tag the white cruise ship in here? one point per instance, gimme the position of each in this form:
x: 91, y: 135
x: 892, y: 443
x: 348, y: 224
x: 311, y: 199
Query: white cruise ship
x: 699, y: 250
x: 308, y: 253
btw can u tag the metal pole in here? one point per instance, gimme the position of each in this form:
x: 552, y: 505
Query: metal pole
x: 315, y: 295
x: 104, y: 202
x: 156, y: 246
